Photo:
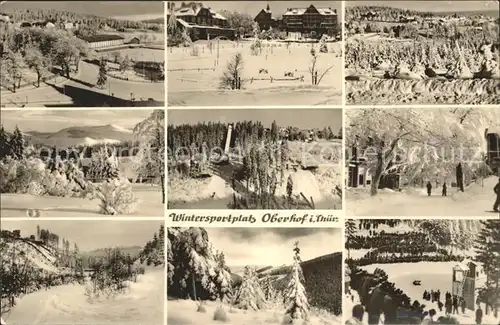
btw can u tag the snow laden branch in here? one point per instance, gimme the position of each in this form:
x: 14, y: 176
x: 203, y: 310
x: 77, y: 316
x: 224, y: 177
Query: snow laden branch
x: 297, y: 305
x: 150, y: 157
x: 419, y: 143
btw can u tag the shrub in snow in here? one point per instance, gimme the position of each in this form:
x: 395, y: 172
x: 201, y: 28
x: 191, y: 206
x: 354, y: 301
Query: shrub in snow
x: 250, y: 294
x: 117, y: 197
x: 201, y: 307
x: 295, y: 293
x: 220, y: 314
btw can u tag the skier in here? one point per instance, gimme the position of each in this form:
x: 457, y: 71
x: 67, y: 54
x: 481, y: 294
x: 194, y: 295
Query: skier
x: 496, y: 189
x: 429, y: 188
x: 444, y: 189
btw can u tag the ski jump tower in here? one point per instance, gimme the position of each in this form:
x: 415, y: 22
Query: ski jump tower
x: 467, y: 278
x: 228, y: 138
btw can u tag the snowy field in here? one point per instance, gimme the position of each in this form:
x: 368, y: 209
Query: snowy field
x: 17, y: 205
x: 193, y: 79
x: 475, y: 201
x: 184, y: 312
x: 434, y: 276
x: 67, y: 304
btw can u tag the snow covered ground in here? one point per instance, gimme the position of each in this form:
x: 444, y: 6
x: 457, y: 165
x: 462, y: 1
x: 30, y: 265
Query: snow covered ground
x: 67, y: 304
x: 433, y: 276
x: 475, y: 201
x: 17, y: 205
x: 184, y: 312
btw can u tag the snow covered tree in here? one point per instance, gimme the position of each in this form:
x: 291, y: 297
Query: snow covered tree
x: 250, y: 294
x: 297, y: 305
x: 488, y: 254
x: 150, y: 134
x: 4, y: 143
x: 192, y: 264
x: 102, y: 78
x: 223, y: 279
x: 17, y: 144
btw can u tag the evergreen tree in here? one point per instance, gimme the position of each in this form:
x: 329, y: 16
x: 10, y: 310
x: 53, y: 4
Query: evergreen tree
x: 250, y: 294
x: 102, y: 77
x: 488, y: 254
x: 274, y: 132
x: 295, y: 293
x: 4, y: 143
x: 17, y: 144
x: 223, y: 279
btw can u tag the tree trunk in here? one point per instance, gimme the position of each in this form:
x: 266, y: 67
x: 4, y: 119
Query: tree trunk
x: 194, y: 287
x: 162, y: 180
x: 38, y: 77
x: 378, y: 175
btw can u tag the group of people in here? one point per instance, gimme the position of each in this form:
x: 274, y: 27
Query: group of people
x: 496, y: 189
x: 451, y: 305
x: 444, y: 189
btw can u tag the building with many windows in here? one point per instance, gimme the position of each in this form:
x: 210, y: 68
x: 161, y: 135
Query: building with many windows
x: 201, y: 23
x: 103, y: 41
x: 301, y: 22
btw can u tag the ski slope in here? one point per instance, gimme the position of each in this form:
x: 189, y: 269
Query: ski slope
x: 475, y: 201
x: 67, y: 304
x: 433, y: 276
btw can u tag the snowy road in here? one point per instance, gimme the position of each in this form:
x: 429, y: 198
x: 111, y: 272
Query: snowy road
x: 477, y: 200
x: 142, y: 304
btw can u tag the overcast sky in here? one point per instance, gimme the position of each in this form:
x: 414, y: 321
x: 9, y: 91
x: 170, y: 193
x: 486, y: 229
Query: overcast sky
x: 302, y: 118
x: 55, y: 120
x: 92, y: 234
x: 432, y: 5
x: 273, y: 246
x: 254, y: 7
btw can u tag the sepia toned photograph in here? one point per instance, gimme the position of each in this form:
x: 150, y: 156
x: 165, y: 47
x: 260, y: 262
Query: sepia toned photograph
x: 81, y: 54
x: 82, y: 163
x: 422, y: 52
x: 81, y: 272
x: 226, y: 275
x: 408, y: 271
x: 282, y: 159
x: 254, y: 53
x: 423, y: 162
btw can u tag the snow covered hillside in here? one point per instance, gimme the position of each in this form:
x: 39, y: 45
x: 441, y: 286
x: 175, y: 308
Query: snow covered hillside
x: 26, y: 249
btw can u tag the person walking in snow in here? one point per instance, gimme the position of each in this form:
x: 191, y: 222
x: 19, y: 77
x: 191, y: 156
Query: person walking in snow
x: 358, y: 312
x: 429, y: 188
x: 455, y: 305
x: 444, y: 189
x: 462, y: 305
x: 496, y: 189
x: 479, y: 315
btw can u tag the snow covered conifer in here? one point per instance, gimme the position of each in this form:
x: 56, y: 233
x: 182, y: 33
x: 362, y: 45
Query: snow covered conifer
x: 297, y: 305
x: 223, y: 278
x: 250, y: 294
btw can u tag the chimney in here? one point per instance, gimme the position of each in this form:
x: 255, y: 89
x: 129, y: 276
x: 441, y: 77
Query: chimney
x: 334, y: 11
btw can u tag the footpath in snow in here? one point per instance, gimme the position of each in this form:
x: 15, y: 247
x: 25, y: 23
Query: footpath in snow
x: 67, y: 304
x: 477, y: 200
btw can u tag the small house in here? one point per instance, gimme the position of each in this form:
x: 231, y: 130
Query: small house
x: 134, y: 40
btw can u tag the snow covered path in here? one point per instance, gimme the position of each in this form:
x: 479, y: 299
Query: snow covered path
x: 475, y: 201
x: 434, y: 275
x: 142, y: 304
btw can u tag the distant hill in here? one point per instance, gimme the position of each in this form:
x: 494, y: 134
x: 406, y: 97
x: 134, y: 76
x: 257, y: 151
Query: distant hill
x: 81, y: 135
x: 132, y: 250
x: 323, y: 277
x: 96, y: 8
